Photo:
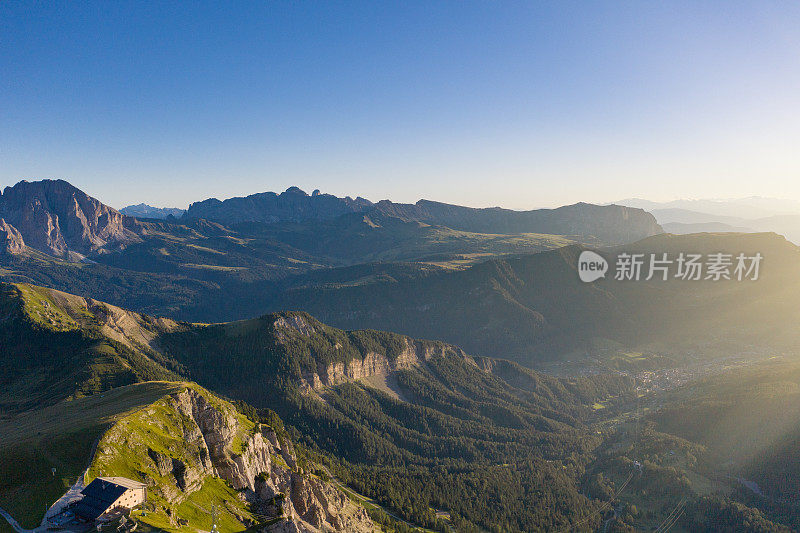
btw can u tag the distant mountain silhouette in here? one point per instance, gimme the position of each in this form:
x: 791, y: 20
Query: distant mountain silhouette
x: 611, y: 223
x: 614, y: 223
x: 754, y: 214
x: 148, y: 211
x: 292, y: 205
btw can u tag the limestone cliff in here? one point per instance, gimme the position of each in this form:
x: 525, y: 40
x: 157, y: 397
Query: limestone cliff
x: 10, y: 239
x: 374, y: 364
x: 195, y: 451
x: 59, y: 219
x: 298, y: 329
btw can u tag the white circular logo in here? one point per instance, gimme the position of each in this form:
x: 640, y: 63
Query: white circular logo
x: 591, y: 266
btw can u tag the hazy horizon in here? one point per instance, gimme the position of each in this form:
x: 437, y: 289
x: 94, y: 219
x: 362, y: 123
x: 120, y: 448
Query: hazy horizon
x: 518, y: 105
x: 309, y: 191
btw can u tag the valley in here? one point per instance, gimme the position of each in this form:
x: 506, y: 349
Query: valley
x: 455, y: 423
x: 279, y: 372
x: 358, y: 267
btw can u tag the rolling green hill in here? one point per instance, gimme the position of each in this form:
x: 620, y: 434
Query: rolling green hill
x: 533, y: 307
x: 54, y: 346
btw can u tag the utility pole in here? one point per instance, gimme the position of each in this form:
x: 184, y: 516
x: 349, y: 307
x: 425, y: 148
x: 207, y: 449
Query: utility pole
x: 214, y: 519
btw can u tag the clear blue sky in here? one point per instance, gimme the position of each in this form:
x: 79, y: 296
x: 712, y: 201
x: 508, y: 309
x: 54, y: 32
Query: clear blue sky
x: 481, y: 103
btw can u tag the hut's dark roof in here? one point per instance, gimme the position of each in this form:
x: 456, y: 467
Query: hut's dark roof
x: 97, y: 498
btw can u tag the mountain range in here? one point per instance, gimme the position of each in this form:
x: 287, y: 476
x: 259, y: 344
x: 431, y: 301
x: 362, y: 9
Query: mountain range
x: 754, y: 214
x: 332, y: 430
x: 54, y: 234
x: 374, y: 404
x: 148, y: 211
x: 749, y: 208
x: 607, y: 223
x: 393, y: 267
x: 409, y: 366
x: 534, y: 307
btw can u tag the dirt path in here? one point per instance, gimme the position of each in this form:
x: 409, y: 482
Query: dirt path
x: 13, y: 523
x: 73, y: 494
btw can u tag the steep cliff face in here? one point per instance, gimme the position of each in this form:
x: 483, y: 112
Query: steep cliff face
x: 357, y: 358
x: 195, y: 450
x: 57, y: 218
x: 11, y: 240
x: 375, y: 364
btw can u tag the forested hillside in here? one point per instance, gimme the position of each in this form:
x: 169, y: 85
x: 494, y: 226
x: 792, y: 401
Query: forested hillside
x: 437, y: 417
x: 433, y: 435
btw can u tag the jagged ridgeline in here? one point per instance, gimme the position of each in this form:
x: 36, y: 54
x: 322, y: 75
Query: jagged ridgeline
x: 415, y: 425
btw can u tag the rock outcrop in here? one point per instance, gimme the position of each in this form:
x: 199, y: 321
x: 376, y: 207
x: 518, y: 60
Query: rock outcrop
x: 54, y: 217
x: 295, y: 328
x: 375, y: 364
x: 208, y: 438
x: 11, y: 240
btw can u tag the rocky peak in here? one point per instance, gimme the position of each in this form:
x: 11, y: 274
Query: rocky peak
x: 295, y: 322
x: 54, y: 217
x: 295, y: 190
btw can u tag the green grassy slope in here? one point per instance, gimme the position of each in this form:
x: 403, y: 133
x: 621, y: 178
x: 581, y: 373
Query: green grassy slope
x: 61, y: 436
x: 53, y: 346
x: 160, y: 427
x: 362, y: 238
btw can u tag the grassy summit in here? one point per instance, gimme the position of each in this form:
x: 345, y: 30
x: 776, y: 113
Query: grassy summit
x: 55, y: 346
